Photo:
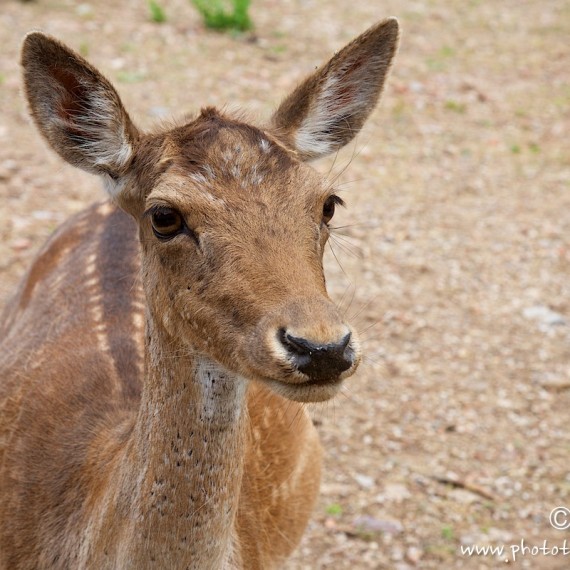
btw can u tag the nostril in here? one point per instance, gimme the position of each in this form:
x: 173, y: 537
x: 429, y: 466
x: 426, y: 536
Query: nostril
x: 319, y: 361
x: 296, y: 344
x: 345, y: 340
x: 304, y: 346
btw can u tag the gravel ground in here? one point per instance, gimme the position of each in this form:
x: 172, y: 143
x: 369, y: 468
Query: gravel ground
x: 452, y: 258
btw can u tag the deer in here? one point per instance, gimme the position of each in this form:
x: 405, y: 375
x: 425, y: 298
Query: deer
x: 158, y: 356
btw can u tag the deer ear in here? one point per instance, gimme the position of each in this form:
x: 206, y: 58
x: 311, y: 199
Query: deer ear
x: 329, y: 108
x: 75, y: 108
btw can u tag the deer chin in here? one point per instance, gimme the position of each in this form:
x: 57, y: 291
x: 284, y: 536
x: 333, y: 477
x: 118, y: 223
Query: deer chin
x: 306, y: 392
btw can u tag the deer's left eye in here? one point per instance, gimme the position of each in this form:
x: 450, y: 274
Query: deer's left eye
x: 166, y: 223
x: 329, y: 207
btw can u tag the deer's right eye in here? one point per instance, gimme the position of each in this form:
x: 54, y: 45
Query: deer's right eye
x: 166, y: 223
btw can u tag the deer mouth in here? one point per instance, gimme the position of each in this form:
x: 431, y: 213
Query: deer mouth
x: 321, y: 382
x: 307, y: 392
x: 305, y: 389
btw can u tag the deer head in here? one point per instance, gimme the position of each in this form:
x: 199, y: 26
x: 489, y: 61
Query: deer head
x: 233, y: 221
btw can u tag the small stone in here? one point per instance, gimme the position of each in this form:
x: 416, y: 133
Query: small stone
x: 364, y: 481
x: 396, y: 492
x: 330, y: 523
x: 44, y: 215
x: 463, y: 496
x: 544, y: 316
x: 21, y: 244
x: 372, y: 524
x: 554, y: 383
x: 499, y: 535
x: 416, y: 87
x: 7, y: 169
x: 413, y: 555
x: 397, y: 555
x: 84, y: 10
x: 118, y: 63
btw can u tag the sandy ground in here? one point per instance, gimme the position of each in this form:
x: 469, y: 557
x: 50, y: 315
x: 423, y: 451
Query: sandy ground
x: 454, y: 250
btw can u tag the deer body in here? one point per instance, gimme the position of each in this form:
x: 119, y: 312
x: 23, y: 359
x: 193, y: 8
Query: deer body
x: 155, y: 360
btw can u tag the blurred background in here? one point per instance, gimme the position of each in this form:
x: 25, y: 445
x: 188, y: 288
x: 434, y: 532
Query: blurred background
x: 452, y: 257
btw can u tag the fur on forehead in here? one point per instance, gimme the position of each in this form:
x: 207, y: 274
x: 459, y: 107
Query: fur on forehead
x: 222, y: 156
x: 219, y: 149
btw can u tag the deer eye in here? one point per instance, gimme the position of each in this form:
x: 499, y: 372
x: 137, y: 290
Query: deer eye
x: 329, y: 207
x: 166, y: 223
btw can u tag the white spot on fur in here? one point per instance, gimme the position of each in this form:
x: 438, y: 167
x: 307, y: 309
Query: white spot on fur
x: 227, y: 156
x: 138, y: 319
x: 255, y: 178
x: 198, y: 178
x: 223, y: 392
x: 91, y: 261
x: 95, y: 306
x: 209, y: 172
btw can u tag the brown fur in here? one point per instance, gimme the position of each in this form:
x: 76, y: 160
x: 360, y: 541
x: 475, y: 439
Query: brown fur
x: 150, y: 415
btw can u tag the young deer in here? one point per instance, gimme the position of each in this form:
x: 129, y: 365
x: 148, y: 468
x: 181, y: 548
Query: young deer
x: 152, y: 389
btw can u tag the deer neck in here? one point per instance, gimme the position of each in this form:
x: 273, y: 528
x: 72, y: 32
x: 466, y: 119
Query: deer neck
x: 189, y: 441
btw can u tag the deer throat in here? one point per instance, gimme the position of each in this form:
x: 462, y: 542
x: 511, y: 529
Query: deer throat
x: 190, y: 439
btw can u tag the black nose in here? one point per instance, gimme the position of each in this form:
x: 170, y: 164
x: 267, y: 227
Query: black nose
x: 320, y: 362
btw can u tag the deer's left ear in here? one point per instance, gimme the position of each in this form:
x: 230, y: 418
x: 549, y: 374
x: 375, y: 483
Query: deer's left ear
x: 329, y: 108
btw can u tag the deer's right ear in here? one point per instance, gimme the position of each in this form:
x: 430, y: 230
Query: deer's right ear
x: 75, y: 108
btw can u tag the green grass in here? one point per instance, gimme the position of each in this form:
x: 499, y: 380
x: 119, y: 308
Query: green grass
x: 225, y: 14
x: 446, y: 51
x: 130, y: 76
x: 334, y: 509
x: 84, y: 49
x: 439, y: 61
x: 157, y: 13
x: 455, y: 106
x: 534, y: 148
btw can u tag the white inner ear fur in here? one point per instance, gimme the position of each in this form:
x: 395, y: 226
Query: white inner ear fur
x: 105, y: 142
x: 311, y: 137
x: 344, y: 93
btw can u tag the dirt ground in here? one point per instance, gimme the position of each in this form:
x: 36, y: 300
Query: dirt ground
x: 454, y: 252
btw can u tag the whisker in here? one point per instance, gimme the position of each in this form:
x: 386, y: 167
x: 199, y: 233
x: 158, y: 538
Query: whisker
x: 362, y: 333
x: 340, y: 185
x: 338, y: 261
x: 365, y: 306
x: 341, y: 301
x: 333, y: 164
x: 355, y: 153
x: 347, y: 246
